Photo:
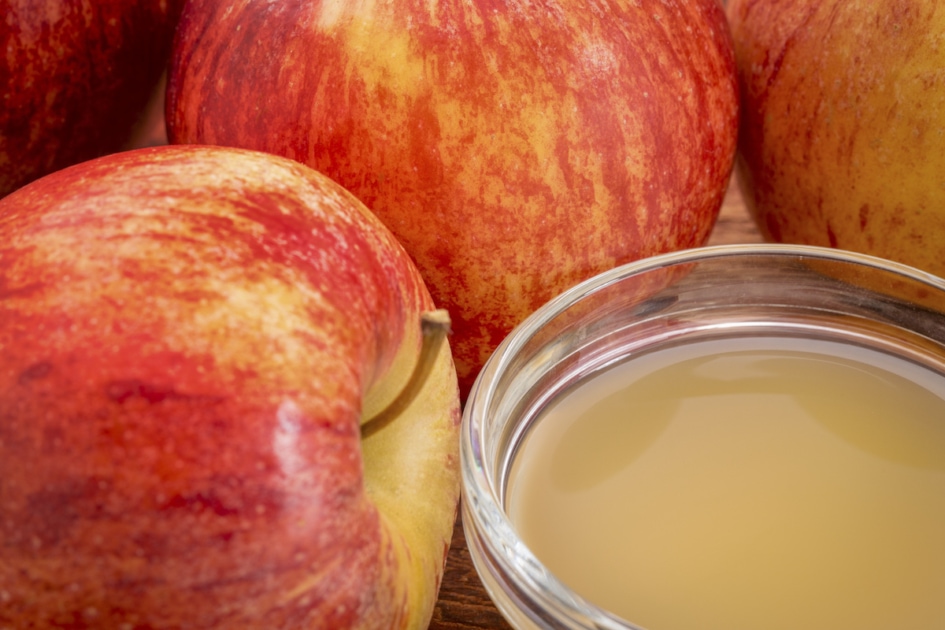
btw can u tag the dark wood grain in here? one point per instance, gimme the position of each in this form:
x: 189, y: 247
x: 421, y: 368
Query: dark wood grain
x: 463, y: 602
x: 734, y: 224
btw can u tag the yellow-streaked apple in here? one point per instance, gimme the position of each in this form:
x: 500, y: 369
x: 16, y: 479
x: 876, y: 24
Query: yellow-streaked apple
x: 514, y: 148
x: 226, y: 401
x: 843, y: 135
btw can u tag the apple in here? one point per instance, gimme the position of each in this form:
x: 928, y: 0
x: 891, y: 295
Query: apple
x: 75, y: 79
x: 843, y: 136
x: 226, y: 401
x: 514, y: 148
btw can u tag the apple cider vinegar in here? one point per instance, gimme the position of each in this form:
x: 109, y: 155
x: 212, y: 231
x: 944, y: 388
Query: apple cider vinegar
x: 750, y: 484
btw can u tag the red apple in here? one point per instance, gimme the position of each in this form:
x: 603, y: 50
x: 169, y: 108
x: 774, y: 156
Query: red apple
x: 218, y: 405
x: 513, y: 147
x: 843, y: 135
x: 75, y: 78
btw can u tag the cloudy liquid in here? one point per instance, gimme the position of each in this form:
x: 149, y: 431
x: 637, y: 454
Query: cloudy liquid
x: 750, y: 485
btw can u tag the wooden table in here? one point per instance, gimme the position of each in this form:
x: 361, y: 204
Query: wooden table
x: 463, y: 602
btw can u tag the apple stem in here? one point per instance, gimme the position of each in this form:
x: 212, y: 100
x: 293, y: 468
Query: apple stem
x: 434, y: 327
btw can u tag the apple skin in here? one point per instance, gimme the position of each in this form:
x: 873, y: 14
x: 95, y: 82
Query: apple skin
x: 190, y: 338
x: 514, y: 148
x: 75, y: 79
x: 842, y: 142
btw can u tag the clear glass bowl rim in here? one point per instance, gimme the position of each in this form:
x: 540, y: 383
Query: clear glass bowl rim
x: 524, y: 591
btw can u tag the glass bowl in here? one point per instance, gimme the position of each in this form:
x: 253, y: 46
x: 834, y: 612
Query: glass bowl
x: 710, y: 293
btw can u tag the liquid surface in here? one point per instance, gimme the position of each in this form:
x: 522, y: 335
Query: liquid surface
x: 758, y: 484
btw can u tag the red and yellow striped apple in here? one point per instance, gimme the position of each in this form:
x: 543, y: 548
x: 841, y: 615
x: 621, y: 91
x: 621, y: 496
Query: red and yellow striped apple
x: 843, y: 135
x: 513, y: 147
x: 75, y: 79
x: 220, y: 406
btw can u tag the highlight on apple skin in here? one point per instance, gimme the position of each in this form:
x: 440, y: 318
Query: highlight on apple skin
x: 76, y: 77
x: 204, y: 354
x: 515, y: 148
x: 842, y: 141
